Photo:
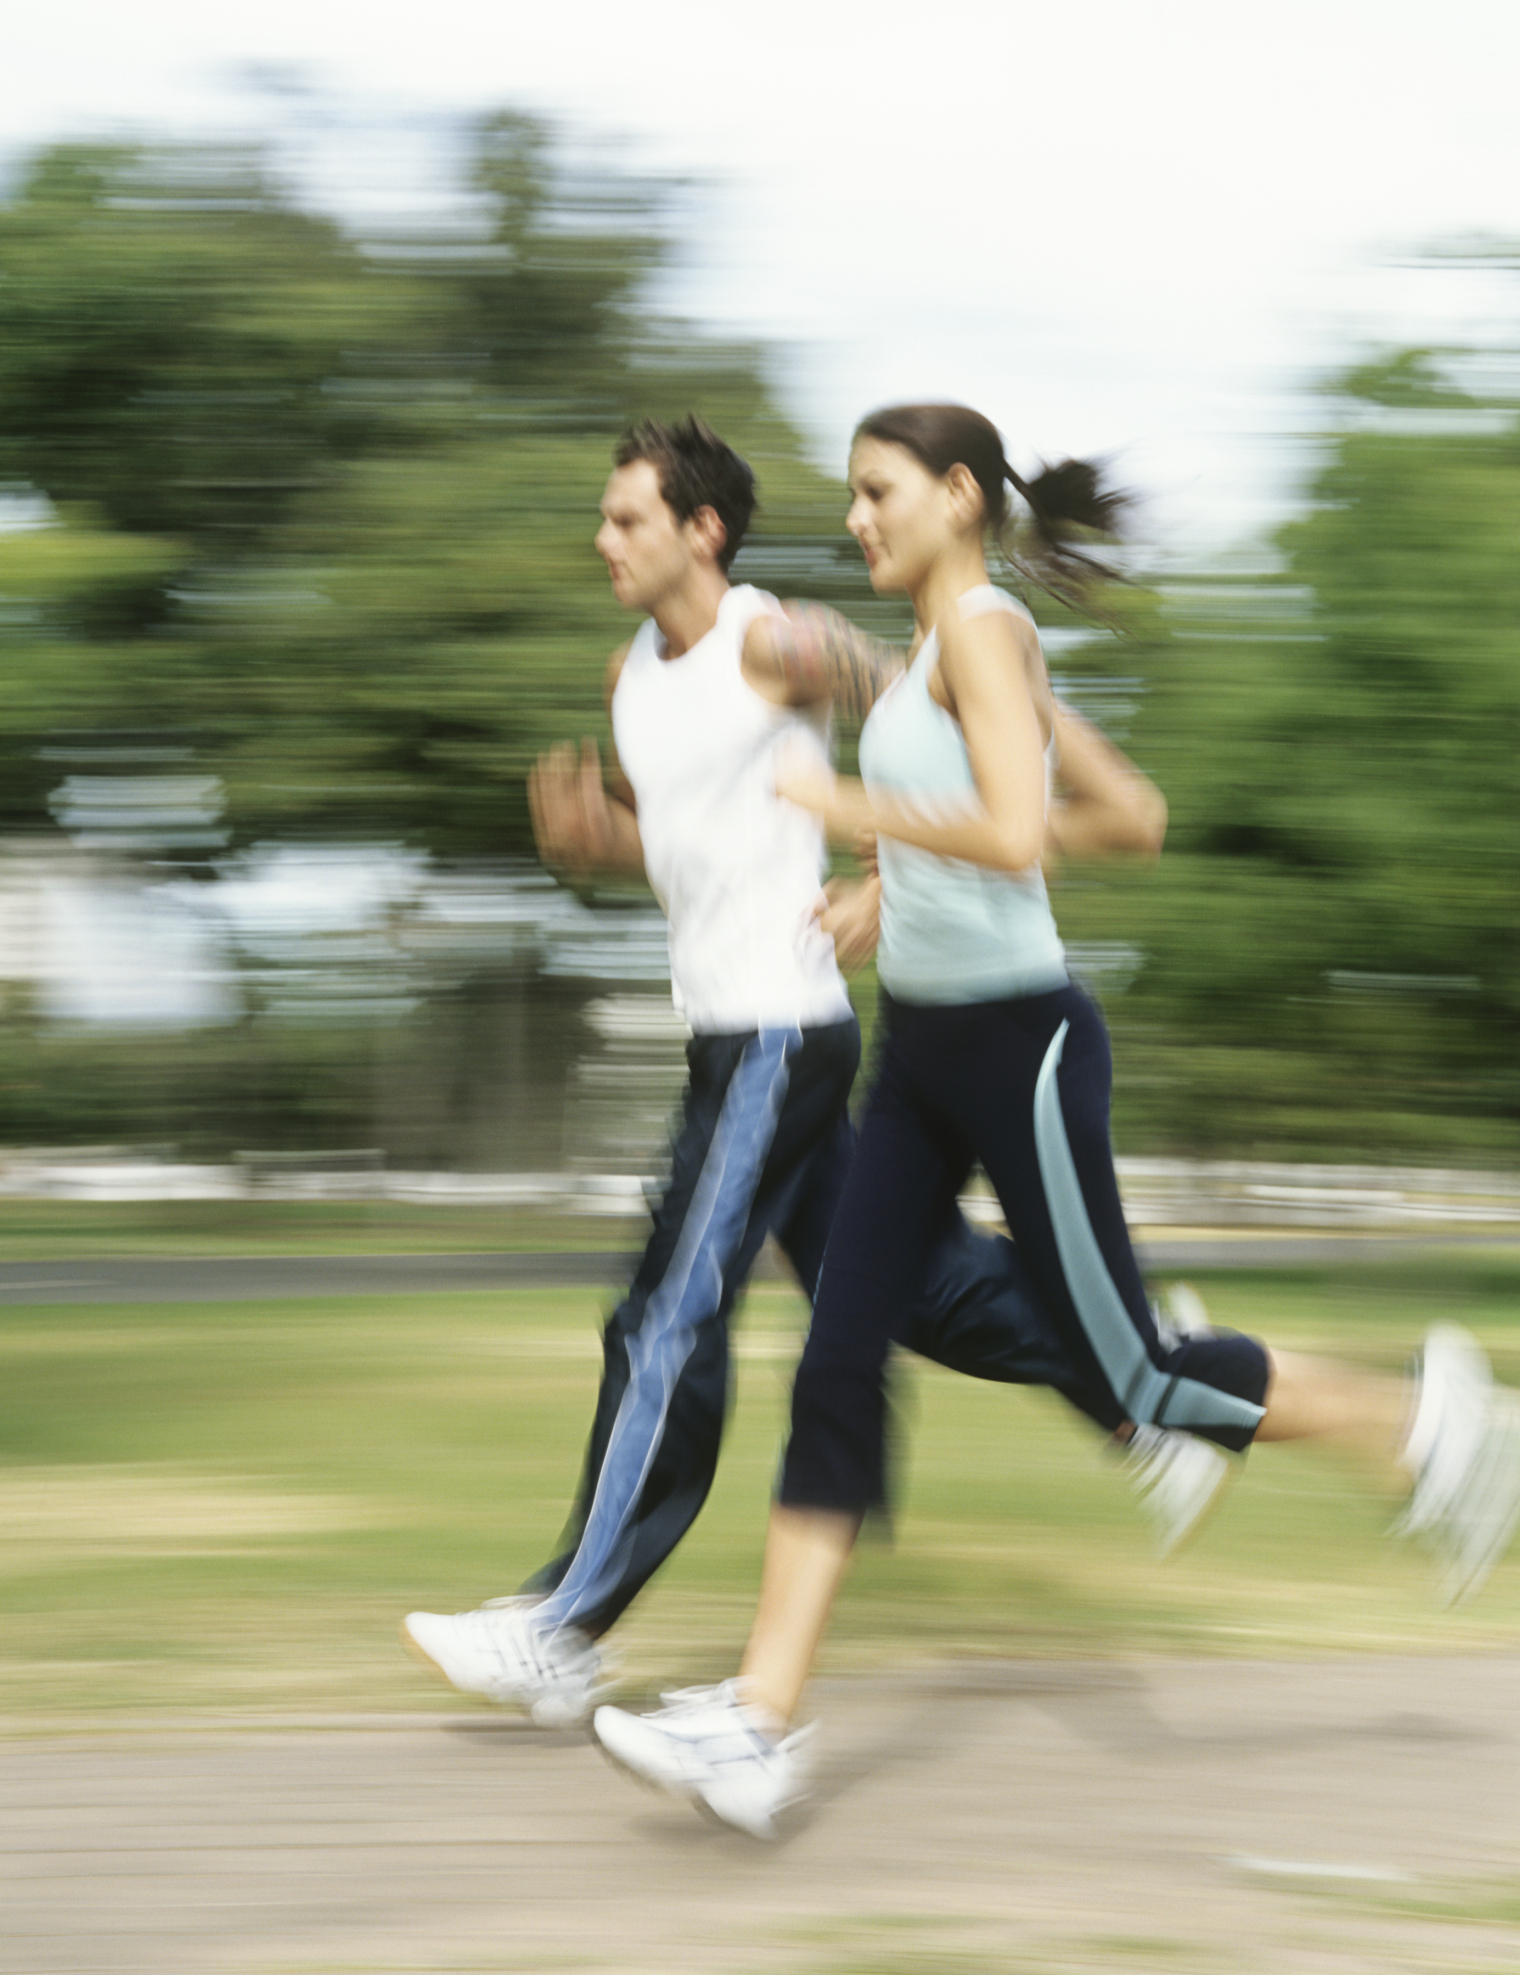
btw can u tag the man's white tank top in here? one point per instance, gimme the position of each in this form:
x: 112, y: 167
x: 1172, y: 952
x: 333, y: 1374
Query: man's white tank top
x: 736, y: 869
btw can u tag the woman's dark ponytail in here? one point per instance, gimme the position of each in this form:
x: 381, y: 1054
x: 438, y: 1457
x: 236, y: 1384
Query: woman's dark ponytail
x: 1068, y: 505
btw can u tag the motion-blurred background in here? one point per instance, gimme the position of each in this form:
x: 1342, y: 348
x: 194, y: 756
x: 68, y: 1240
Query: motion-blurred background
x: 317, y: 326
x: 308, y: 379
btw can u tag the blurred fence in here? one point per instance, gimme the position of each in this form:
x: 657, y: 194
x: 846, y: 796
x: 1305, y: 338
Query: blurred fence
x: 1177, y: 1195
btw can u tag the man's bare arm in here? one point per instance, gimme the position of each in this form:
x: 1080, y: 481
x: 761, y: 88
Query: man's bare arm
x: 811, y: 654
x: 581, y: 826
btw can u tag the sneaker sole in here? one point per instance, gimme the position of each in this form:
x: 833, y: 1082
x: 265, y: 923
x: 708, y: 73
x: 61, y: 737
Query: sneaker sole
x: 1165, y: 1546
x: 1198, y: 1522
x: 1462, y: 1368
x: 1181, y: 1543
x: 681, y: 1793
x: 1499, y: 1459
x: 690, y: 1794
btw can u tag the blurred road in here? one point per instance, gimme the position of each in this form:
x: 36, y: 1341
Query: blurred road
x: 1350, y: 1815
x: 261, y: 1278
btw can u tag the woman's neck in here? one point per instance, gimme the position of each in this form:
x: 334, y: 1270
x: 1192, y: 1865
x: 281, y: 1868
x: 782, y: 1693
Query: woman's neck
x: 959, y: 568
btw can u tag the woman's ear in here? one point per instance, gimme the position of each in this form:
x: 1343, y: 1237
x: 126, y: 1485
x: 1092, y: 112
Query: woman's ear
x: 966, y: 501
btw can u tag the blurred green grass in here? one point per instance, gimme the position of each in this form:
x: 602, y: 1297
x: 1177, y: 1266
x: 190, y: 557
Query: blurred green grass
x: 228, y: 1507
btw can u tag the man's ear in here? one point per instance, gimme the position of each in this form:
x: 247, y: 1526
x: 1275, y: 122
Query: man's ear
x: 709, y: 534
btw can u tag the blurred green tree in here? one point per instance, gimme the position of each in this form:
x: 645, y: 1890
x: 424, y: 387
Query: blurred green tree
x: 321, y: 508
x: 169, y: 329
x: 1332, y: 948
x: 324, y: 505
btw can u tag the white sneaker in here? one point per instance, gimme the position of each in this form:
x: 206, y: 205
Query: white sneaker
x: 500, y: 1652
x: 1176, y: 1479
x: 1180, y: 1312
x: 1463, y: 1450
x: 706, y: 1745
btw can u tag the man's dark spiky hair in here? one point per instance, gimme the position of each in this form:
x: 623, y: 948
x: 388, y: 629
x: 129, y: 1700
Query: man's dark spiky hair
x: 696, y: 470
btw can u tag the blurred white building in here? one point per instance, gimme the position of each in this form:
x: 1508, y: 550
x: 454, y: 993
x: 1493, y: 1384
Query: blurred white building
x: 85, y: 937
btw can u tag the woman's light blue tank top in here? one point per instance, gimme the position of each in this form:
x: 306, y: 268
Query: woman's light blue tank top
x: 950, y: 931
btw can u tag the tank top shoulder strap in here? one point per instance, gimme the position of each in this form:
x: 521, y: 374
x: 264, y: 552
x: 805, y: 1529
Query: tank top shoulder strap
x: 984, y: 601
x: 987, y: 598
x: 739, y: 609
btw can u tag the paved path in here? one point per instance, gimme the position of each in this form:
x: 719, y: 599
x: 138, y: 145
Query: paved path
x: 1168, y: 1817
x: 257, y: 1278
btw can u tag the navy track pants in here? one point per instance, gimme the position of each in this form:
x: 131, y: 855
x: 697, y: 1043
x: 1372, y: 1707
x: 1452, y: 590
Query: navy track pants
x: 765, y: 1147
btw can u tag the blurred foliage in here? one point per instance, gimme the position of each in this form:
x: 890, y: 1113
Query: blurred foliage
x: 1331, y: 937
x: 320, y: 517
x: 325, y: 505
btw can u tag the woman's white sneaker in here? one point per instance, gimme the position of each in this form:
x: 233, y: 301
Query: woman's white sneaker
x: 708, y: 1746
x: 499, y: 1651
x: 1176, y: 1479
x: 1463, y: 1452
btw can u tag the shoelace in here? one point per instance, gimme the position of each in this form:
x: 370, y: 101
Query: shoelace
x: 688, y: 1700
x: 563, y: 1653
x: 727, y: 1696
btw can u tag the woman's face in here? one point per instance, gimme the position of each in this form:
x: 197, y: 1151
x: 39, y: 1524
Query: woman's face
x: 900, y: 513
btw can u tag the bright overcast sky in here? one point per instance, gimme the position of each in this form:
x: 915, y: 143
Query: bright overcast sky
x: 1130, y: 228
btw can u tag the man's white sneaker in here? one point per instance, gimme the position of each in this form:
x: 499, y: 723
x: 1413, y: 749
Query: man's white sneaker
x: 500, y: 1651
x: 706, y: 1745
x: 1463, y: 1451
x: 1176, y: 1479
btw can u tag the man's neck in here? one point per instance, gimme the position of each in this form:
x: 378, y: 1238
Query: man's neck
x: 685, y: 618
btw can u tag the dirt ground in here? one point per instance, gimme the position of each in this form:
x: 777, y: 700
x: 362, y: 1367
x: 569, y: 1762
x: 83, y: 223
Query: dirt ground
x: 972, y: 1816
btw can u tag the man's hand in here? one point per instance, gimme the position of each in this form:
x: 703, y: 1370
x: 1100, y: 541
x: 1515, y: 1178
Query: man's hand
x: 578, y: 828
x: 850, y: 913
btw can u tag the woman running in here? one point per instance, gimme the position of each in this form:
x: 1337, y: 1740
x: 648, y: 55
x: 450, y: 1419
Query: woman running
x: 992, y: 1055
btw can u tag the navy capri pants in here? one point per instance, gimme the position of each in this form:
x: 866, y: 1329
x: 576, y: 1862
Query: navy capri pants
x: 1022, y: 1086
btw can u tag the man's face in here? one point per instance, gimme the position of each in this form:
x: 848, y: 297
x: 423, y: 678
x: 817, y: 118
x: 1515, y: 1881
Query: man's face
x: 648, y: 552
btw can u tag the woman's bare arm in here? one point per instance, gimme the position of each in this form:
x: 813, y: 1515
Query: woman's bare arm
x: 1105, y: 803
x: 986, y: 670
